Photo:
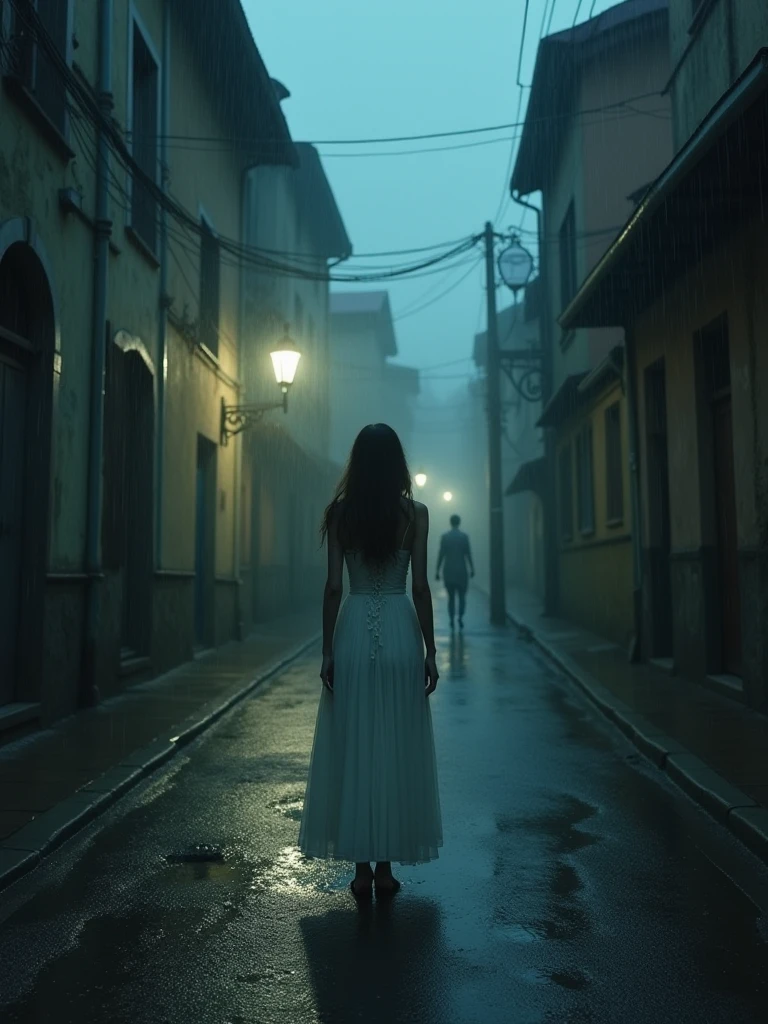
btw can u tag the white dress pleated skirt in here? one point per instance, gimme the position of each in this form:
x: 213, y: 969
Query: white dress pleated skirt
x: 372, y: 791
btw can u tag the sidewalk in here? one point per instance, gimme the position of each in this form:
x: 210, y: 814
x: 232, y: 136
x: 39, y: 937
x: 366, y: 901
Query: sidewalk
x: 712, y: 747
x: 54, y: 782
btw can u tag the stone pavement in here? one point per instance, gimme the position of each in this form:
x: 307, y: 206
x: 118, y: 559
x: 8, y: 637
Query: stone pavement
x: 712, y: 747
x: 54, y: 781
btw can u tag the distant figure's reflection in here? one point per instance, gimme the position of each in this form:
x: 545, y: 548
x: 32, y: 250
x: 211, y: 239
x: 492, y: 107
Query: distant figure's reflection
x: 457, y: 660
x: 383, y: 965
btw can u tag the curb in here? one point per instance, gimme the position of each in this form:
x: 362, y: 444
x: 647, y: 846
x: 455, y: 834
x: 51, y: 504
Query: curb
x: 745, y: 818
x: 25, y: 849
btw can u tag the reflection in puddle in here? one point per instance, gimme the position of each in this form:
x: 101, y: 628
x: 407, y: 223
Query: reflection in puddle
x: 217, y: 872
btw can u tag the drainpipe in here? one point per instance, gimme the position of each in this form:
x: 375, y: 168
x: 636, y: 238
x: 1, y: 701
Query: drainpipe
x: 102, y: 231
x: 162, y: 333
x: 634, y: 481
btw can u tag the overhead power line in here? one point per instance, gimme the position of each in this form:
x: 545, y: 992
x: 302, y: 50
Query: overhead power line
x: 244, y: 143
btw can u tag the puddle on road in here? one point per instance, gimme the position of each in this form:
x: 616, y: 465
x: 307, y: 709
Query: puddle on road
x: 290, y: 806
x: 220, y: 873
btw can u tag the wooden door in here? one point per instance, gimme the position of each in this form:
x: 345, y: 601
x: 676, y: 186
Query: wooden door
x: 13, y: 408
x: 727, y: 543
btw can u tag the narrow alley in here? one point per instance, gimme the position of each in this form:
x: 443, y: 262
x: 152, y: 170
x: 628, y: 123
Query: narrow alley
x: 576, y: 884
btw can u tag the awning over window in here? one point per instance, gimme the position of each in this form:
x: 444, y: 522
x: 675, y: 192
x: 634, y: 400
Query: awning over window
x: 563, y: 402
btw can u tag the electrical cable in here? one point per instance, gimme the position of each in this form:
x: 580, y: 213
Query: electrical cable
x: 551, y: 15
x: 440, y: 295
x: 87, y: 103
x: 233, y: 143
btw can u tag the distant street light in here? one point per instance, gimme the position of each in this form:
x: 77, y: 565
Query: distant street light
x: 236, y: 418
x: 447, y: 496
x: 420, y: 479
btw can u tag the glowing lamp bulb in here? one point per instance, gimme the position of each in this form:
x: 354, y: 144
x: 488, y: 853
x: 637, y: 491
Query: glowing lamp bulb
x: 420, y: 479
x: 448, y: 496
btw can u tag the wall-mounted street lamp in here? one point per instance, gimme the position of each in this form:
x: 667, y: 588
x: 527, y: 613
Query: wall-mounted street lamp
x: 236, y: 418
x: 420, y: 479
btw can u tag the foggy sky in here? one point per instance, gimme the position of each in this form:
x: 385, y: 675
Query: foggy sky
x: 399, y: 68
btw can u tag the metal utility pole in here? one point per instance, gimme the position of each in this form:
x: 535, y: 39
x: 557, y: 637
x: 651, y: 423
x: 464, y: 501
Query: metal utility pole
x: 498, y: 597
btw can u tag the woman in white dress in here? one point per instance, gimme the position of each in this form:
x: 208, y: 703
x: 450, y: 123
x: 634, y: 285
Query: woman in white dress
x: 372, y: 790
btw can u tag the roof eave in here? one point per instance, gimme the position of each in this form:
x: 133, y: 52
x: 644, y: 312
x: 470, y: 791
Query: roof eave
x: 752, y: 82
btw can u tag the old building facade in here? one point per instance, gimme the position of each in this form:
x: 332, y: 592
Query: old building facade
x: 685, y: 278
x: 365, y: 386
x: 120, y: 335
x: 287, y: 469
x: 597, y: 130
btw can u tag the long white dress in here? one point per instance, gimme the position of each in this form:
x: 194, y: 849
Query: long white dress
x: 372, y: 790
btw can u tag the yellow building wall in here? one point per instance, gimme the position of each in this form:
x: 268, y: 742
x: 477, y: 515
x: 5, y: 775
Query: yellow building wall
x: 596, y: 581
x: 207, y: 183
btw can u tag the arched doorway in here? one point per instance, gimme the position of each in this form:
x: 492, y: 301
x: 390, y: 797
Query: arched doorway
x: 127, y: 541
x: 27, y: 344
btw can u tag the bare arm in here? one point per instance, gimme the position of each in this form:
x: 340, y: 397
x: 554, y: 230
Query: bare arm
x: 422, y: 595
x: 334, y: 589
x: 440, y: 557
x: 469, y: 558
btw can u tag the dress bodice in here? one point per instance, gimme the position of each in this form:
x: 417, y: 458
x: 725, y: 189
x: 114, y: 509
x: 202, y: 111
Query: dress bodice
x: 389, y: 578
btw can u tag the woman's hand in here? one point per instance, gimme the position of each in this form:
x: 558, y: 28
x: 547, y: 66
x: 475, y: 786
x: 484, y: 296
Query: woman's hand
x: 431, y: 675
x: 326, y: 672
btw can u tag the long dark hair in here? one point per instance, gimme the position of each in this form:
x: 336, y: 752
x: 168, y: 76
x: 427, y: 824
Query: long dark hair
x: 368, y: 499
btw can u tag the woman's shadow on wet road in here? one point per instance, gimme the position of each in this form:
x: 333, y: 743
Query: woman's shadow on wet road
x: 382, y: 962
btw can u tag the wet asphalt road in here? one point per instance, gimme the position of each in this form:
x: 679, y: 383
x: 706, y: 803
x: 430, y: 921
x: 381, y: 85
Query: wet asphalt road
x: 576, y: 884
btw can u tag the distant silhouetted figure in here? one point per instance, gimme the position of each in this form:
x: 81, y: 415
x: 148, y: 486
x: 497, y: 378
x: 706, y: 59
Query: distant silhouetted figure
x: 456, y: 558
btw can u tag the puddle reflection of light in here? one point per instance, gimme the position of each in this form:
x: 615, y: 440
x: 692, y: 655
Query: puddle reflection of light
x: 282, y: 874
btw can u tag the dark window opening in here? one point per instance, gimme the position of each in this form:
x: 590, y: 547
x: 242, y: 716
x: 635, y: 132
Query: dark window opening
x: 210, y: 270
x: 144, y: 128
x: 613, y: 464
x: 565, y: 474
x: 584, y: 480
x: 714, y: 356
x: 33, y: 63
x: 568, y: 280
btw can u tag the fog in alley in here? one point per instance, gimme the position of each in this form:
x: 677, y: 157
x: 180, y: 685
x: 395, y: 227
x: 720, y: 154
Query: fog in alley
x: 531, y: 238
